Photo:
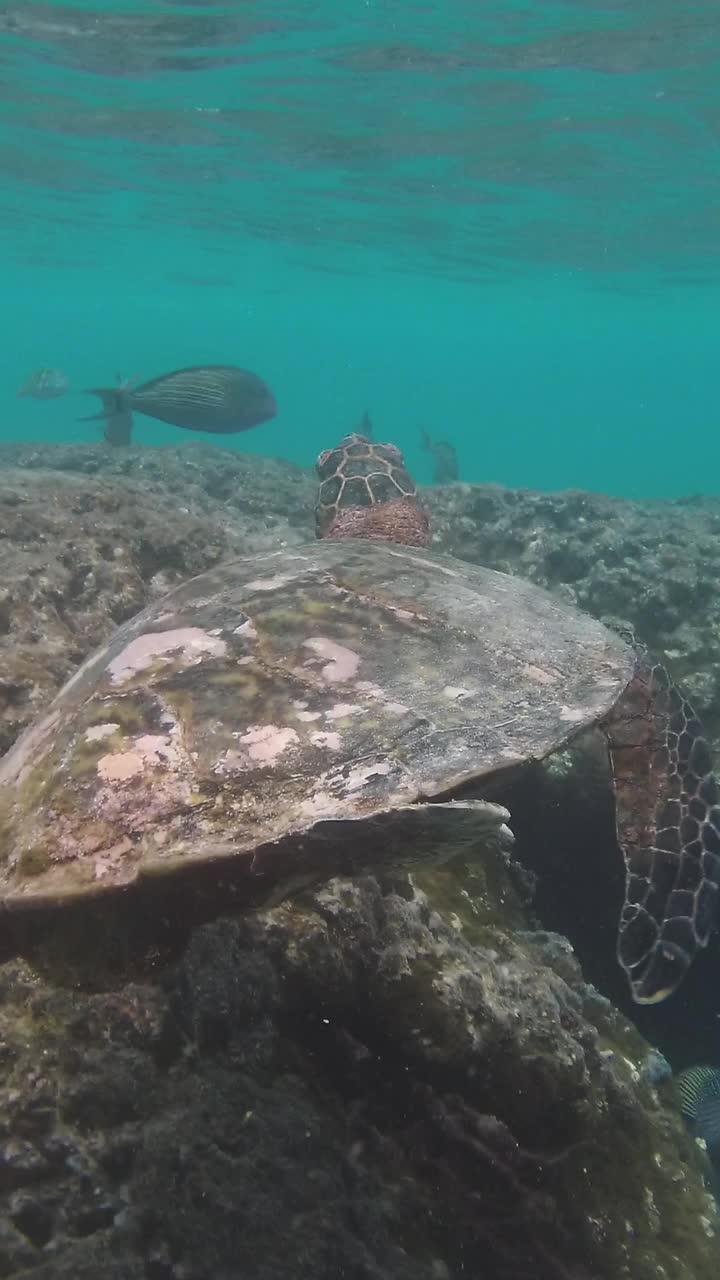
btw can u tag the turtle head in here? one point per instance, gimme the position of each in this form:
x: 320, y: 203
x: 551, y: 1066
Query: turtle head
x: 366, y: 491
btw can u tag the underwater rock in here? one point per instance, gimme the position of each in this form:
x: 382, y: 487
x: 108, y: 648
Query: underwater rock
x: 367, y: 1082
x: 270, y: 492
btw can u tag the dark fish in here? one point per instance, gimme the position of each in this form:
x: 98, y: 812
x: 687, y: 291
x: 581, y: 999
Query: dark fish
x: 214, y: 397
x: 45, y: 384
x: 446, y: 469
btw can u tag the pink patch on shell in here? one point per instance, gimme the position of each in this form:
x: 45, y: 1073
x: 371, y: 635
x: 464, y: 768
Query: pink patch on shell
x: 98, y: 731
x: 321, y: 805
x: 343, y: 709
x: 109, y: 859
x: 330, y: 741
x: 192, y: 643
x: 360, y: 775
x: 270, y: 584
x: 342, y: 663
x: 246, y: 629
x: 120, y: 767
x: 265, y: 743
x: 148, y: 751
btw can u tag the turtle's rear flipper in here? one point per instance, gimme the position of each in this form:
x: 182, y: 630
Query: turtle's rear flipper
x: 668, y: 825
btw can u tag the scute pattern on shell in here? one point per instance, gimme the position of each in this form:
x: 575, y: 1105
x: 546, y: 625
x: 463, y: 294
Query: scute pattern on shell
x: 359, y: 472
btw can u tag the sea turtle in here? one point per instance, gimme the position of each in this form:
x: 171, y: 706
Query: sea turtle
x: 328, y: 708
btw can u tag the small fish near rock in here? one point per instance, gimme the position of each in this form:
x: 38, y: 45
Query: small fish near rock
x: 216, y: 398
x: 44, y: 384
x: 444, y: 455
x: 698, y: 1090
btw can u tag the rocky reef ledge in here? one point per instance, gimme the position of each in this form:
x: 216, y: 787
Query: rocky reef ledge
x: 392, y: 1079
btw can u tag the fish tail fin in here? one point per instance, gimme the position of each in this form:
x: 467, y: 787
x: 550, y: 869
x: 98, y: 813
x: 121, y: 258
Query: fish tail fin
x: 115, y: 413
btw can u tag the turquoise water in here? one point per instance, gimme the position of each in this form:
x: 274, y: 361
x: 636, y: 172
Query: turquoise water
x: 497, y: 222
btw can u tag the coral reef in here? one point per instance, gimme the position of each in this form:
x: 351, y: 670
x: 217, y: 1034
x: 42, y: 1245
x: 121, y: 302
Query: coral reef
x: 255, y: 494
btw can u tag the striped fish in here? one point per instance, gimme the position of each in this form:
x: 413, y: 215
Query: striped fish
x: 699, y: 1093
x: 217, y: 398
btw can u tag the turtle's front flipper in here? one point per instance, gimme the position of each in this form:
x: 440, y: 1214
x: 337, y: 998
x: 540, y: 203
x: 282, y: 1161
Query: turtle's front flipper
x: 668, y: 825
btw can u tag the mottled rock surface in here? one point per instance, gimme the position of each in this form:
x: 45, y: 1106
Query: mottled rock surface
x: 265, y: 496
x: 357, y: 1084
